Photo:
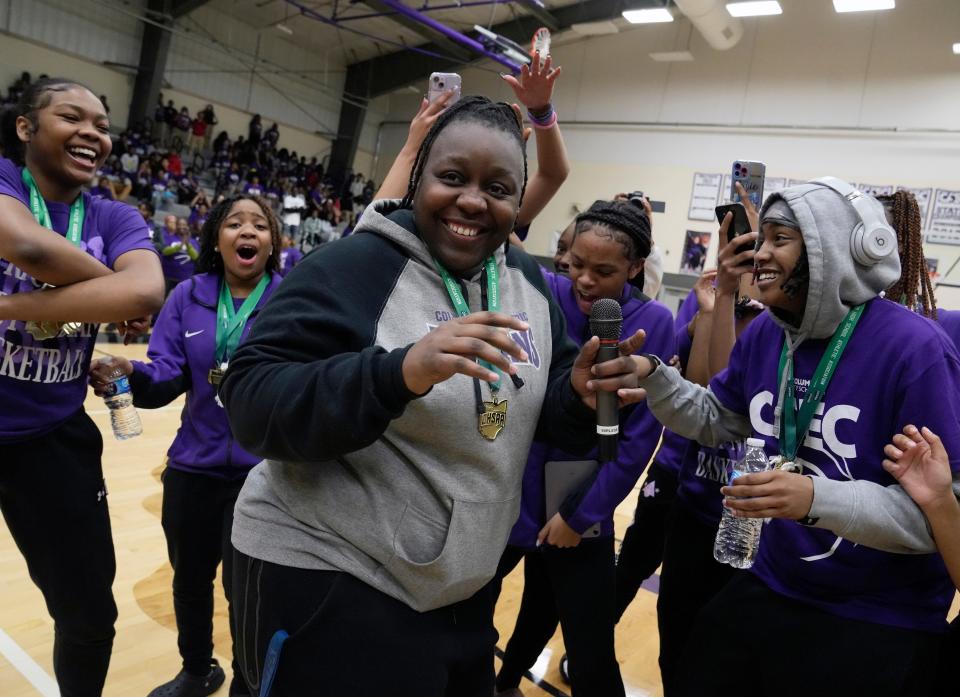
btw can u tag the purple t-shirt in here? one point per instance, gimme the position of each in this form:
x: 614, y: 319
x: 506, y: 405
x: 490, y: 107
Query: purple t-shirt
x: 43, y: 382
x: 898, y: 369
x: 177, y: 266
x: 288, y: 259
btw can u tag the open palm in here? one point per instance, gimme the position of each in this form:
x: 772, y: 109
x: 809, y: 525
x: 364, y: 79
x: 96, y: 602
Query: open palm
x: 919, y: 462
x: 534, y: 89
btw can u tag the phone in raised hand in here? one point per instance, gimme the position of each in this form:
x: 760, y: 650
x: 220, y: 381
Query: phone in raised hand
x: 751, y: 175
x: 441, y: 83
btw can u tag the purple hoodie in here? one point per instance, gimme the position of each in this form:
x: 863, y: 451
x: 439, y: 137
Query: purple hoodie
x: 639, y: 433
x: 893, y: 372
x: 181, y: 352
x: 288, y: 259
x: 42, y: 383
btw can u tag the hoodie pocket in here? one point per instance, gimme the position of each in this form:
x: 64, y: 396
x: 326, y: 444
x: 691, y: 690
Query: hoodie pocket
x: 438, y: 564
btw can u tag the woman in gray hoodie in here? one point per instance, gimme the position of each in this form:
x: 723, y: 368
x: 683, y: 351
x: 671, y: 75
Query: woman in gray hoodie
x: 394, y: 385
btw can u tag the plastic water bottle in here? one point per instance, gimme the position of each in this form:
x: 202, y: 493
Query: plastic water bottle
x: 123, y: 415
x: 738, y: 539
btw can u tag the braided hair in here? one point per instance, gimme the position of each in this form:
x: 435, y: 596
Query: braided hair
x: 622, y: 222
x: 913, y: 289
x: 209, y: 259
x: 35, y: 97
x: 475, y: 109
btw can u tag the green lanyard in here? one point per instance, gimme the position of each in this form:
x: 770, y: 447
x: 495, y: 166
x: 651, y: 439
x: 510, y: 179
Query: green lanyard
x: 39, y: 209
x: 230, y: 322
x: 460, y: 304
x: 793, y: 429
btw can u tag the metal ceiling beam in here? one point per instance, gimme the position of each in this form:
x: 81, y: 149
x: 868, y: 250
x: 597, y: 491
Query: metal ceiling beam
x: 182, y: 7
x: 537, y: 9
x: 446, y: 45
x: 388, y: 72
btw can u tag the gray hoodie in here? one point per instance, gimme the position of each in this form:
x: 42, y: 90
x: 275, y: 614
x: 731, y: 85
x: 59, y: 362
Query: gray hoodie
x: 360, y: 475
x: 865, y: 512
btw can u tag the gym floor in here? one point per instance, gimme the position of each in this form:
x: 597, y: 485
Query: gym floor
x: 145, y: 650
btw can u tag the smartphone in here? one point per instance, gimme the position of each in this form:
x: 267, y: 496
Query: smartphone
x: 740, y: 225
x: 443, y: 82
x: 751, y: 175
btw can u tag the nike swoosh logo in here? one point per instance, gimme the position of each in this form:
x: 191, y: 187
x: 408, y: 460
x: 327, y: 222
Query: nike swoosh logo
x: 189, y: 334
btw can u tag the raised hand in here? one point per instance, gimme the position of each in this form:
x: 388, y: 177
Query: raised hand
x: 706, y: 293
x: 428, y: 113
x: 455, y: 346
x: 534, y: 89
x: 731, y: 265
x: 919, y: 462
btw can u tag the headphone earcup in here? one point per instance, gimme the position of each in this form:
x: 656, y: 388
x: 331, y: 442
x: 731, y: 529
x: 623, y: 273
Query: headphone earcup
x: 873, y: 245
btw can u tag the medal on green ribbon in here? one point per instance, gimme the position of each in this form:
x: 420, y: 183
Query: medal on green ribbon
x: 794, y: 425
x: 493, y: 417
x: 230, y: 324
x: 49, y: 329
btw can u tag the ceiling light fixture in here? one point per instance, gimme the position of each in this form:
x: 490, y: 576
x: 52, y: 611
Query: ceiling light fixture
x: 285, y: 29
x: 755, y: 8
x: 863, y: 5
x: 956, y: 49
x: 672, y: 56
x: 648, y: 16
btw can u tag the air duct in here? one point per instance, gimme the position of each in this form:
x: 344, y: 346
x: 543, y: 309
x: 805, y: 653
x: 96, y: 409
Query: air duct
x: 712, y: 20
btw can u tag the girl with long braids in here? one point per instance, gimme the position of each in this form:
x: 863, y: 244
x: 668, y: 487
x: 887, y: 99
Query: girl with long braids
x: 847, y: 567
x: 99, y: 255
x: 194, y: 337
x: 394, y: 384
x: 569, y: 578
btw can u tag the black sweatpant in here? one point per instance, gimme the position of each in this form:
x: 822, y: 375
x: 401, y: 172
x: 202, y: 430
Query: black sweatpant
x: 572, y: 586
x: 689, y: 579
x: 642, y: 548
x: 197, y: 520
x: 347, y: 639
x: 54, y: 501
x: 750, y: 640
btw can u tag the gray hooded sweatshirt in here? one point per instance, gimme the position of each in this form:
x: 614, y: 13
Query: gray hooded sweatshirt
x: 861, y: 511
x: 361, y: 475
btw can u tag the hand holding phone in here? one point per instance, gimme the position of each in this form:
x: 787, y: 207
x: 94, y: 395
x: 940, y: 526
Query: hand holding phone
x: 733, y: 262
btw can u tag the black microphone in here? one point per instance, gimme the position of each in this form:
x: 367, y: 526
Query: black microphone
x: 606, y: 322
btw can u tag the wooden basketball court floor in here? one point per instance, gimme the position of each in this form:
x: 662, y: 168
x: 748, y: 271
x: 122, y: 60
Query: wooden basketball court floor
x: 145, y: 650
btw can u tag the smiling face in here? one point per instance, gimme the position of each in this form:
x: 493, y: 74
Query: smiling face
x: 780, y: 250
x: 244, y: 242
x: 599, y: 267
x: 70, y: 138
x: 467, y: 200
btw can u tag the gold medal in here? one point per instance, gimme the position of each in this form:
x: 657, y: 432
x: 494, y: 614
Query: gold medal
x: 493, y: 418
x: 779, y: 462
x: 215, y: 375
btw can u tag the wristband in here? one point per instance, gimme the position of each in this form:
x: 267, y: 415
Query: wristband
x: 545, y: 120
x: 544, y: 125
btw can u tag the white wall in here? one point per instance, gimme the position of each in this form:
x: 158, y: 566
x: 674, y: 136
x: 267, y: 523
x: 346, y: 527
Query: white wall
x: 870, y: 97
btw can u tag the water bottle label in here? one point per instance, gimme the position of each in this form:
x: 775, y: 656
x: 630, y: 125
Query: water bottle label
x: 733, y: 475
x: 119, y: 386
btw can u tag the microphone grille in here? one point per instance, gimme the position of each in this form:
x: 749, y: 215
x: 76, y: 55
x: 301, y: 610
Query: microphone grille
x: 606, y: 319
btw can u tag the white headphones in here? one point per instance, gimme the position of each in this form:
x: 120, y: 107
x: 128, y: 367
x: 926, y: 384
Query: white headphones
x: 872, y: 240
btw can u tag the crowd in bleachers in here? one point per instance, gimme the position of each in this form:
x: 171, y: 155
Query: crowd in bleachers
x: 171, y: 164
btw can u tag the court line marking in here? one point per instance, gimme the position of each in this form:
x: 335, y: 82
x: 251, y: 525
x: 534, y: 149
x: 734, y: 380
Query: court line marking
x: 27, y: 667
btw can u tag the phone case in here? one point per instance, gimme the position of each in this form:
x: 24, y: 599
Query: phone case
x: 740, y: 225
x: 751, y: 175
x: 442, y: 82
